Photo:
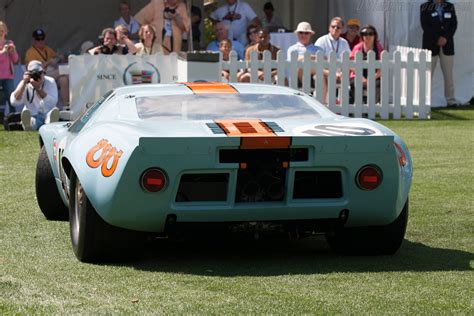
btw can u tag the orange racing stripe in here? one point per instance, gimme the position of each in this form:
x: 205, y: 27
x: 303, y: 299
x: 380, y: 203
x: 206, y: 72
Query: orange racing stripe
x: 210, y: 88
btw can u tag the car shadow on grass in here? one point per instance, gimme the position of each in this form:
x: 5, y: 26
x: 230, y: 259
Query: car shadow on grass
x: 272, y: 258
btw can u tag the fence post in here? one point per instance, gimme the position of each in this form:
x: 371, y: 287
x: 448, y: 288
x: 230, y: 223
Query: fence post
x: 397, y: 85
x: 307, y: 69
x: 384, y: 90
x: 294, y: 70
x: 233, y: 67
x: 422, y: 109
x: 410, y: 83
x: 358, y: 86
x: 371, y: 84
x: 345, y: 84
x: 319, y: 81
x: 267, y: 67
x: 331, y: 82
x: 281, y: 68
x: 254, y: 65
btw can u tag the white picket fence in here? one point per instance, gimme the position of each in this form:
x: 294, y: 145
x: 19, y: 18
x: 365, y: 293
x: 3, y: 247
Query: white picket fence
x: 404, y: 90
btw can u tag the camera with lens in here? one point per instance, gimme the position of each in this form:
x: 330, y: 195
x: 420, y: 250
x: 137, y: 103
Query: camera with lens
x: 36, y: 74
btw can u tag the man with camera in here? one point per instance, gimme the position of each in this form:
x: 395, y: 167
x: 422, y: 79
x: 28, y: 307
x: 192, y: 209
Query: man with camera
x: 39, y: 95
x: 108, y: 44
x: 236, y: 15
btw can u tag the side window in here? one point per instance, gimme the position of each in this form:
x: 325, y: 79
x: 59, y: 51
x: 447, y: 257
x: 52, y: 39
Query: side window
x: 79, y: 123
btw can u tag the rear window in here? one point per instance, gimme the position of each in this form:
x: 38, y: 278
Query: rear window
x: 220, y: 106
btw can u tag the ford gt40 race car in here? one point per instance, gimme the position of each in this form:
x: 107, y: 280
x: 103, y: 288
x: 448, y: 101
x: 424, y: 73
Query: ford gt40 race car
x: 162, y: 159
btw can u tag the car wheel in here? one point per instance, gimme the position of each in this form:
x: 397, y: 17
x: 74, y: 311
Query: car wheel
x: 383, y: 240
x: 49, y: 200
x: 93, y: 239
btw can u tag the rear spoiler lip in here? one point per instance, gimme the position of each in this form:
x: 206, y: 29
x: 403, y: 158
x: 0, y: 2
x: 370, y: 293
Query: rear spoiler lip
x: 326, y: 144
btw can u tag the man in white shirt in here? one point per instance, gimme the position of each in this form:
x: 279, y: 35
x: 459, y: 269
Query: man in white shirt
x: 237, y: 15
x: 333, y: 42
x: 128, y: 21
x: 39, y: 95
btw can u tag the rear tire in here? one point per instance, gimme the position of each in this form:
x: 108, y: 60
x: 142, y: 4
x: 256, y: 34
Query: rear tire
x: 47, y: 194
x: 383, y: 240
x: 92, y: 239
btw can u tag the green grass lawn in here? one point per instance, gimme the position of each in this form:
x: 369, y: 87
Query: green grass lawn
x: 431, y: 274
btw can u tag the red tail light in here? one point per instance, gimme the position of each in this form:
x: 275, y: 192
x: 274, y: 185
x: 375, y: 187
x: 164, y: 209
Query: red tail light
x: 153, y: 180
x: 369, y: 177
x: 402, y: 158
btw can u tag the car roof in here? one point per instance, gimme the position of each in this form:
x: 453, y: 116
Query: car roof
x: 189, y: 88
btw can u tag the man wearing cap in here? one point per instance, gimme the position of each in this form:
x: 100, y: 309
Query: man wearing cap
x: 49, y: 59
x: 352, y: 34
x: 439, y: 24
x: 39, y: 95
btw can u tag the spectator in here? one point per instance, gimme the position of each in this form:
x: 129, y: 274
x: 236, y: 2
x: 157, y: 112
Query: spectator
x: 262, y: 45
x: 252, y: 35
x: 332, y: 42
x: 45, y: 54
x: 86, y: 46
x: 148, y: 44
x: 225, y: 47
x: 39, y: 95
x: 352, y: 34
x: 222, y: 33
x: 8, y: 57
x: 123, y: 39
x: 368, y: 43
x: 128, y: 21
x: 439, y: 23
x: 269, y: 21
x: 109, y: 44
x: 304, y: 33
x: 196, y: 17
x: 175, y: 17
x: 236, y: 14
x: 176, y: 14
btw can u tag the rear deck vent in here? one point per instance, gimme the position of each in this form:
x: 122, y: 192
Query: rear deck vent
x: 317, y: 185
x: 245, y: 127
x: 215, y: 128
x: 203, y: 187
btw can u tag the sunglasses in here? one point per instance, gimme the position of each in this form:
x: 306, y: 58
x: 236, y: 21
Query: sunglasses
x: 39, y: 39
x: 336, y: 27
x: 252, y: 32
x: 367, y: 34
x: 304, y: 33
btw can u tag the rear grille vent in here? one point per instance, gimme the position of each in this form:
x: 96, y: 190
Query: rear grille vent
x: 317, y: 185
x: 245, y: 128
x: 207, y: 187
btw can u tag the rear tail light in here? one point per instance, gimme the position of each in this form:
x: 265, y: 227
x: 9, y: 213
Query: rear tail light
x: 402, y: 158
x: 153, y: 180
x: 369, y: 177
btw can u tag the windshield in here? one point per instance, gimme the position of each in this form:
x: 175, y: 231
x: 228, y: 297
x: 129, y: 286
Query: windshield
x: 79, y: 123
x: 221, y: 106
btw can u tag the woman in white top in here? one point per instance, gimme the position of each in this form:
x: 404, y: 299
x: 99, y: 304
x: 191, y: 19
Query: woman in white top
x: 148, y: 44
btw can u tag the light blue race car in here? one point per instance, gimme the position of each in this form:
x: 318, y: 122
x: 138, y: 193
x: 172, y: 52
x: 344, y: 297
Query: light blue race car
x: 165, y: 159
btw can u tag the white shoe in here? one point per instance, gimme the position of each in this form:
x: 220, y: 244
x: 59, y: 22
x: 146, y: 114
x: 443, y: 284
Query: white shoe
x: 26, y: 120
x: 54, y: 115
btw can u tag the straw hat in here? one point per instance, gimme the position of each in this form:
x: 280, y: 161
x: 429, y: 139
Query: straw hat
x: 304, y: 27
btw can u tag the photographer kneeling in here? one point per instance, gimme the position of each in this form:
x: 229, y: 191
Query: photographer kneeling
x: 39, y: 95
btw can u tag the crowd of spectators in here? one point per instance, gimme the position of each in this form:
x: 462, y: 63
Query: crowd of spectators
x: 163, y: 26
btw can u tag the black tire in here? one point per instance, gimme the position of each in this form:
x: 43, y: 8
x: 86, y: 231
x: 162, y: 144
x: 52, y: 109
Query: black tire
x: 47, y: 195
x: 383, y: 240
x: 94, y: 240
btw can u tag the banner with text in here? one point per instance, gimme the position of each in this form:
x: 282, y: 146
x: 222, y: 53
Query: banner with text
x: 92, y: 76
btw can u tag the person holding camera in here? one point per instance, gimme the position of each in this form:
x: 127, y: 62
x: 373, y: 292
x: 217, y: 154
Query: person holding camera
x: 39, y: 95
x: 236, y: 15
x: 8, y: 57
x: 108, y: 45
x: 123, y: 39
